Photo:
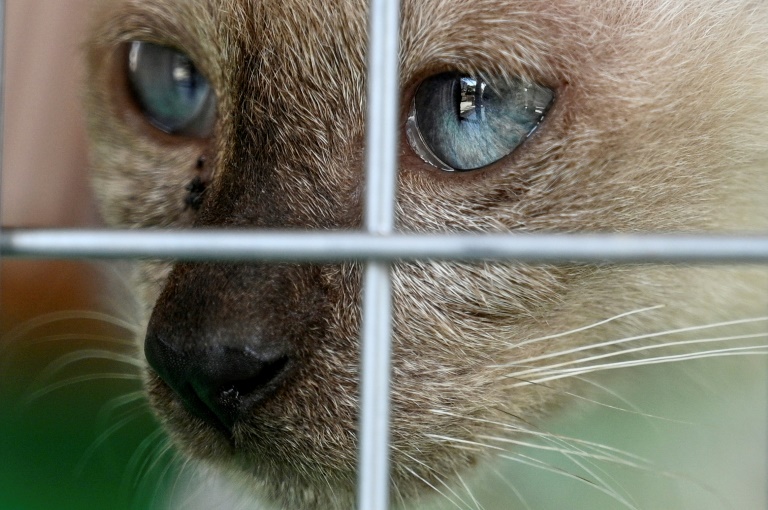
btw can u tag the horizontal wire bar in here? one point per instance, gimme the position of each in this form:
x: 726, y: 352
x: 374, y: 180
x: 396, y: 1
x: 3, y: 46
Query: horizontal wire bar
x: 335, y: 246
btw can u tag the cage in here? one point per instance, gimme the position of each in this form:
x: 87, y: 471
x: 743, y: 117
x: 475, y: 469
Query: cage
x: 378, y: 247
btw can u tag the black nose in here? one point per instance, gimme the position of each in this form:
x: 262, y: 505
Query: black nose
x: 218, y: 383
x: 224, y: 337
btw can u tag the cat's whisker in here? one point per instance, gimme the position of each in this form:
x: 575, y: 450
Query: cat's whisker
x: 437, y: 477
x: 133, y: 471
x: 538, y: 464
x: 464, y: 444
x: 11, y: 341
x: 85, y: 355
x: 70, y: 337
x: 187, y: 466
x: 469, y: 492
x: 505, y: 480
x: 165, y: 450
x: 82, y: 355
x: 582, y: 462
x: 114, y: 376
x: 398, y: 493
x: 631, y: 410
x: 570, y: 448
x: 103, y: 437
x: 572, y: 453
x: 630, y: 407
x: 69, y: 315
x: 604, y: 449
x: 752, y: 350
x: 115, y: 403
x: 648, y: 468
x: 586, y: 328
x: 642, y: 348
x: 565, y: 451
x: 433, y: 487
x: 152, y: 461
x: 624, y: 340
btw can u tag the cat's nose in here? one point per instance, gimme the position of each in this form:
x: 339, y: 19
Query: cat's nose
x: 220, y: 384
x: 227, y: 338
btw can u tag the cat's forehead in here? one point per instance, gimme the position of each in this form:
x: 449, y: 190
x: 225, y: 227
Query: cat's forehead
x: 295, y: 37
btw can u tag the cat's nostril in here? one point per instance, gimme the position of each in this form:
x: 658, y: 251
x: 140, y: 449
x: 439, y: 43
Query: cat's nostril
x: 232, y: 382
x: 220, y: 384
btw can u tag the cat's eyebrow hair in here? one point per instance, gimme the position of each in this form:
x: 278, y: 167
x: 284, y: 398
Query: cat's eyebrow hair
x: 533, y: 43
x: 134, y: 21
x: 149, y: 21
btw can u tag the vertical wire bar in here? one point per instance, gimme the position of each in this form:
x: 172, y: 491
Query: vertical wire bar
x: 2, y: 106
x: 381, y: 167
x: 2, y: 85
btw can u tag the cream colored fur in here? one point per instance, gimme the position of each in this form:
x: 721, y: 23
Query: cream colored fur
x: 658, y: 126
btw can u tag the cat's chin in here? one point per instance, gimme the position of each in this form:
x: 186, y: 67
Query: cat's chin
x: 208, y: 484
x: 284, y: 486
x: 283, y: 468
x: 254, y: 475
x: 258, y: 459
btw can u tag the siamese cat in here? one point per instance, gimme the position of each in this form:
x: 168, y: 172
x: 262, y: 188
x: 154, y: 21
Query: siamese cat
x: 520, y: 116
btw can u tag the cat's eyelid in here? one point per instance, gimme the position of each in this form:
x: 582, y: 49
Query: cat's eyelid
x: 420, y: 147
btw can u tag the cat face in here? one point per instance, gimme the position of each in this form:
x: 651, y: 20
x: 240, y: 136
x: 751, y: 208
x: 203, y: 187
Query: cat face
x: 517, y: 116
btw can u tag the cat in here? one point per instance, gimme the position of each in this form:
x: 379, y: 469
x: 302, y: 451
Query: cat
x: 516, y: 116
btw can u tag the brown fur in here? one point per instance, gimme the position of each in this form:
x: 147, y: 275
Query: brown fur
x: 658, y: 126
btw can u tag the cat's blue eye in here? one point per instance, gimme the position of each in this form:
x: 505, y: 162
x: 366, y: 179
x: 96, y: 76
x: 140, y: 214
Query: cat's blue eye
x: 459, y: 122
x: 171, y: 91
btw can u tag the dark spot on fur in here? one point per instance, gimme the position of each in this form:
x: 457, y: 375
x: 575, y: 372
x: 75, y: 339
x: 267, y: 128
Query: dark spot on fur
x: 196, y: 190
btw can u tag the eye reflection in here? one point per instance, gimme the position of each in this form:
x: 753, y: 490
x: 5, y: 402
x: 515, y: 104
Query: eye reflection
x: 471, y: 100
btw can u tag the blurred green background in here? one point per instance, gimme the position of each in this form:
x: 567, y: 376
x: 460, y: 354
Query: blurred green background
x: 76, y: 436
x: 56, y: 451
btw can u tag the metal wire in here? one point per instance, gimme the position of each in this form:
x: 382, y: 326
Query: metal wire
x: 381, y: 167
x: 340, y: 246
x: 2, y: 99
